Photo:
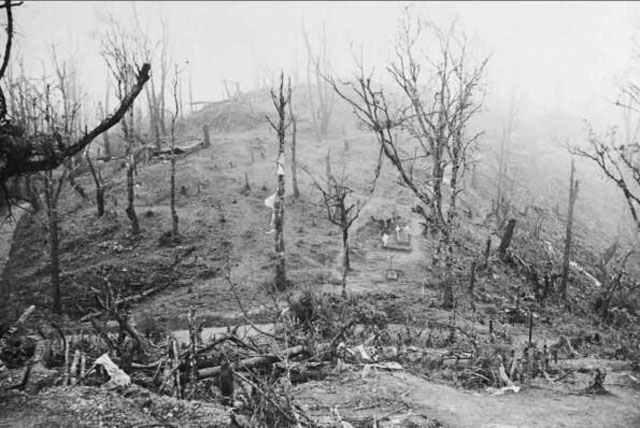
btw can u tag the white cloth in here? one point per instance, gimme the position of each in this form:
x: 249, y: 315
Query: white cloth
x: 270, y: 201
x: 280, y: 165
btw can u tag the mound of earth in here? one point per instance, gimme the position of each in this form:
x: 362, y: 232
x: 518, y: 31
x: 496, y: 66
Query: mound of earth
x: 86, y: 406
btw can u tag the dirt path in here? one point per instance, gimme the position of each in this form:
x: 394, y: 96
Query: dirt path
x: 541, y: 405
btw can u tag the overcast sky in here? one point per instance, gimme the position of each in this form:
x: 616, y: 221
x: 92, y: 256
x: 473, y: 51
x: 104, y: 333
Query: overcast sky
x: 557, y: 56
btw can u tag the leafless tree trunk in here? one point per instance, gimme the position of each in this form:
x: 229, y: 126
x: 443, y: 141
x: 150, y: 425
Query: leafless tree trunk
x: 506, y: 238
x: 142, y: 42
x: 174, y: 118
x: 52, y: 189
x: 324, y: 97
x: 280, y: 101
x: 294, y: 161
x: 164, y: 70
x: 131, y: 161
x: 106, y: 143
x: 153, y: 115
x: 121, y: 61
x: 343, y: 209
x: 487, y: 253
x: 67, y: 120
x: 205, y: 133
x: 508, y: 129
x: 573, y: 194
x: 327, y: 163
x: 612, y: 282
x: 190, y: 93
x: 97, y: 178
x: 181, y: 98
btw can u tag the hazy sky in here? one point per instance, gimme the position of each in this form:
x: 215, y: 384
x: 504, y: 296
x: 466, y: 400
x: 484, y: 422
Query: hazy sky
x: 555, y: 55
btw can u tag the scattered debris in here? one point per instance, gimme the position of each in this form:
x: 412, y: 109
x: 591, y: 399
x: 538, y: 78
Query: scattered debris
x: 117, y: 378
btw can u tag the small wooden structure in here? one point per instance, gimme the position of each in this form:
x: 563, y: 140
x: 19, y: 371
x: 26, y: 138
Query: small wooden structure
x: 397, y: 237
x: 393, y: 274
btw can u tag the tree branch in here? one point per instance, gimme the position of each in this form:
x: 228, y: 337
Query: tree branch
x: 17, y: 155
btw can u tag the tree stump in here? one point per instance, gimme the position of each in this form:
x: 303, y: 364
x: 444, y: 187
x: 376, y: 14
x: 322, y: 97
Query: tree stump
x: 597, y: 384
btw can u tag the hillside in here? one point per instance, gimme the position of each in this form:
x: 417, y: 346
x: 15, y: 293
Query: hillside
x: 224, y: 227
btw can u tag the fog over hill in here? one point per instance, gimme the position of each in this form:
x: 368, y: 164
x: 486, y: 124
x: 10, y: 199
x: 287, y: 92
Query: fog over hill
x: 556, y: 56
x: 559, y: 63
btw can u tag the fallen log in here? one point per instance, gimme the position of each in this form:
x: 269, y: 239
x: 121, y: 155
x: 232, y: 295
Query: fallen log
x: 19, y: 322
x: 253, y: 362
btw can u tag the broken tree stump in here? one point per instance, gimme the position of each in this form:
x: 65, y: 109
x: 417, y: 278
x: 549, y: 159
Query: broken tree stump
x: 253, y: 362
x: 597, y: 384
x: 506, y: 238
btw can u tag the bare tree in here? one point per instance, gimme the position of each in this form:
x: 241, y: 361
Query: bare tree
x: 502, y: 206
x: 52, y: 120
x: 619, y: 162
x: 573, y: 195
x: 99, y: 181
x: 121, y: 61
x: 506, y: 240
x: 157, y: 48
x: 317, y: 67
x: 616, y: 151
x: 174, y: 118
x: 440, y: 107
x: 67, y: 121
x: 343, y: 209
x: 280, y: 101
x: 294, y: 160
x: 612, y: 275
x: 190, y: 92
x: 164, y: 72
x: 106, y: 143
x: 52, y: 189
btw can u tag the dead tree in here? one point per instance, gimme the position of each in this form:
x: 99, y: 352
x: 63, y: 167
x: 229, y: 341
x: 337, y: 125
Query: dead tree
x: 318, y: 66
x: 615, y: 155
x: 67, y: 121
x: 121, y: 62
x: 164, y: 72
x: 486, y: 254
x: 612, y: 279
x: 174, y: 118
x: 441, y: 103
x: 573, y: 195
x: 190, y: 93
x: 294, y: 160
x: 343, y: 209
x: 205, y: 134
x: 280, y: 102
x: 148, y: 47
x: 619, y: 164
x: 154, y: 122
x: 106, y: 142
x: 101, y: 187
x: 508, y: 128
x: 506, y: 239
x: 52, y: 188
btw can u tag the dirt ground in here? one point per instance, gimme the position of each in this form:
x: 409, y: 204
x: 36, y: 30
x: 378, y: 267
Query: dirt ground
x: 395, y: 394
